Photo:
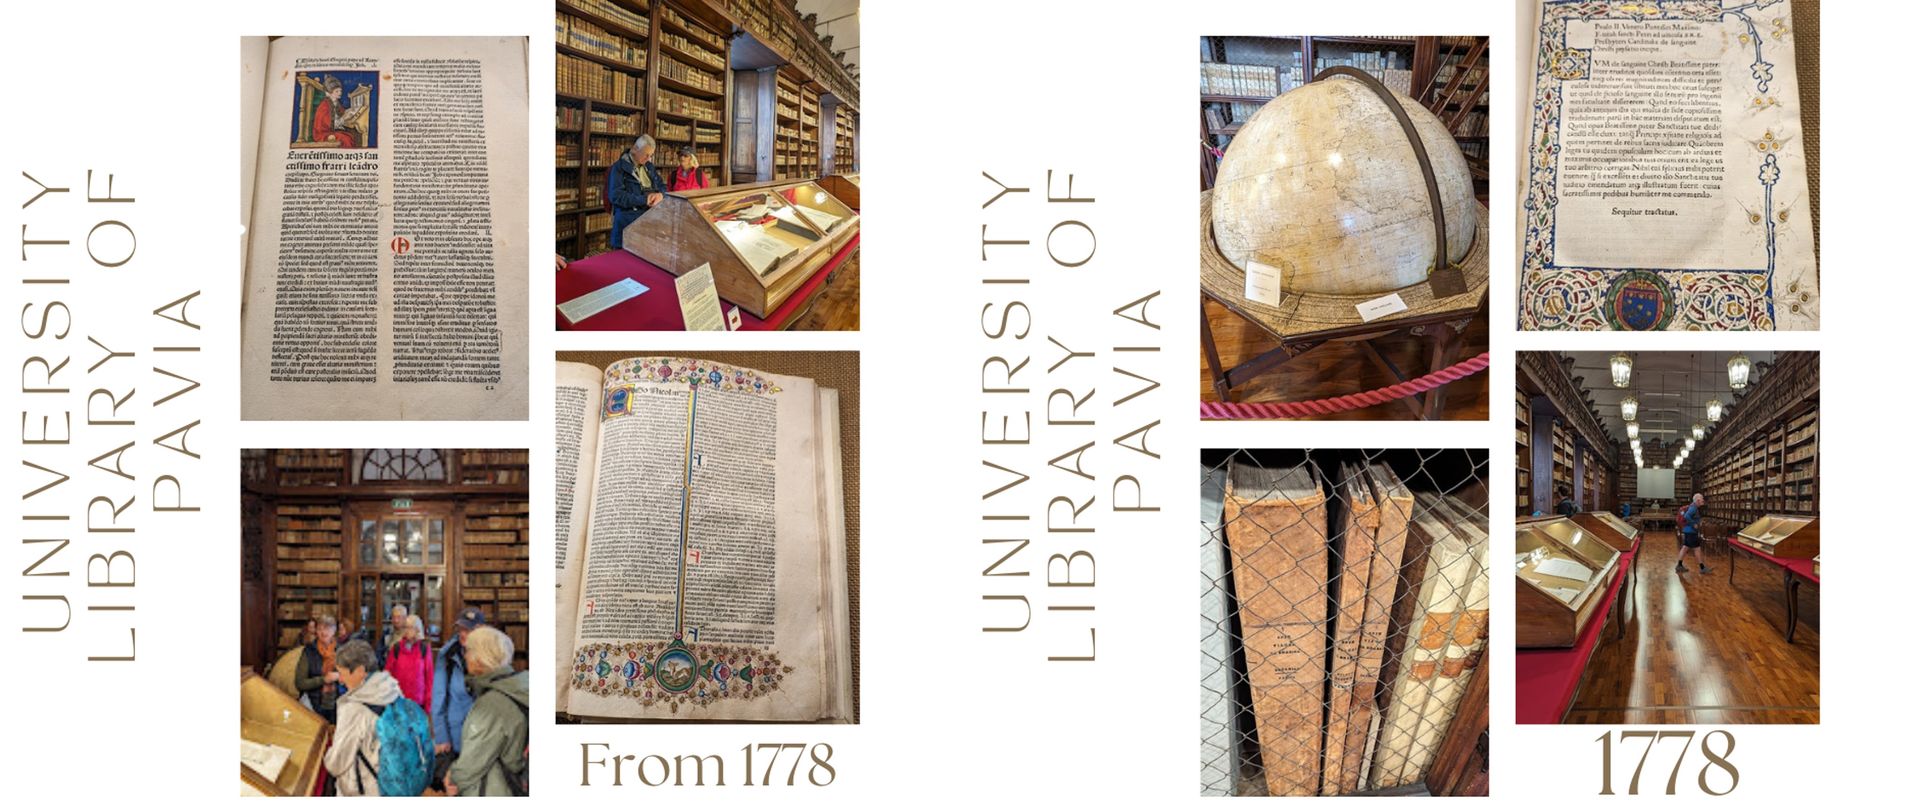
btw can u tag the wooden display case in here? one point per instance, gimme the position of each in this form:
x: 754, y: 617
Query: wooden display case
x: 1785, y: 536
x: 269, y: 716
x: 763, y: 240
x: 843, y: 186
x: 1617, y: 533
x: 1561, y: 579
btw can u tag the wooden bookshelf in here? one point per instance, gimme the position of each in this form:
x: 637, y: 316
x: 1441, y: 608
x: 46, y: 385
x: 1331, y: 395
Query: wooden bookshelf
x: 494, y: 564
x: 625, y: 68
x: 499, y: 467
x: 843, y: 142
x: 807, y: 162
x: 1562, y: 461
x: 310, y: 467
x: 308, y: 556
x: 1456, y: 91
x: 1773, y: 469
x: 1523, y: 451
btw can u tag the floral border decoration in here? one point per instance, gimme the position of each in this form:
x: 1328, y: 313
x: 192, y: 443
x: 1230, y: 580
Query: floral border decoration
x: 622, y: 376
x: 673, y: 673
x: 1577, y: 298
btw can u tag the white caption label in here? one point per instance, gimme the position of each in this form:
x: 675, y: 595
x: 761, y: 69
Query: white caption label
x: 1385, y: 305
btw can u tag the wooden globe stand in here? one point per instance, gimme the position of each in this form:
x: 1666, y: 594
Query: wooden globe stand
x: 1438, y: 310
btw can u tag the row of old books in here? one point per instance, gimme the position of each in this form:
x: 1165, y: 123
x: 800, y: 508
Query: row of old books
x: 692, y: 50
x: 688, y: 106
x: 688, y: 74
x: 587, y: 79
x: 614, y: 13
x: 1361, y: 610
x: 692, y: 29
x: 583, y: 35
x: 1472, y: 124
x: 1243, y: 79
x: 669, y: 130
x: 566, y: 153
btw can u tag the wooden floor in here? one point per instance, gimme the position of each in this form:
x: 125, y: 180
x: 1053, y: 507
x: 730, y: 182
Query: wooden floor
x: 1701, y: 651
x: 838, y: 306
x: 1333, y: 369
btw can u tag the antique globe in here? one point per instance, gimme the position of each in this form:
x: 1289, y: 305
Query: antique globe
x: 1323, y: 185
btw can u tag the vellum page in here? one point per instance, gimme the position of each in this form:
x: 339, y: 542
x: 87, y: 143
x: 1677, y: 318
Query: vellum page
x: 387, y: 255
x: 701, y: 582
x: 1466, y: 639
x: 836, y: 615
x: 1666, y: 179
x: 1443, y: 591
x: 253, y: 88
x: 576, y: 440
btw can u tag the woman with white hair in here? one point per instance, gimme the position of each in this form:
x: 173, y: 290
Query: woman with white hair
x: 493, y: 755
x: 410, y: 661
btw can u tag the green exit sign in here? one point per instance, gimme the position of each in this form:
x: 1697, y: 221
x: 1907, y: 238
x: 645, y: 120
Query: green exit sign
x: 403, y: 503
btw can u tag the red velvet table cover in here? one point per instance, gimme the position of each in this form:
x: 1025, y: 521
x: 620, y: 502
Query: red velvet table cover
x: 1545, y: 679
x: 659, y: 307
x: 1802, y: 567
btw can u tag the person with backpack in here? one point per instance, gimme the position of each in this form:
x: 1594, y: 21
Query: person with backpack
x: 1566, y: 507
x: 493, y: 760
x: 383, y: 746
x: 410, y: 661
x: 1689, y: 522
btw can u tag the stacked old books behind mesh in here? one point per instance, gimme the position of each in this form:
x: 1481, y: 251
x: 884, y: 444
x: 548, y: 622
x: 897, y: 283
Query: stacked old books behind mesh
x: 1344, y: 616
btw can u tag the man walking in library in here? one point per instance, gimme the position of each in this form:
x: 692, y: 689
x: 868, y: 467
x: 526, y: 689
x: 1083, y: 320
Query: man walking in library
x: 633, y: 187
x: 1690, y: 534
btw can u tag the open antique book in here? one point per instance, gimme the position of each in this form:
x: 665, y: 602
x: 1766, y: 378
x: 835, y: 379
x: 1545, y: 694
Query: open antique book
x: 1663, y: 182
x: 384, y: 194
x: 701, y: 547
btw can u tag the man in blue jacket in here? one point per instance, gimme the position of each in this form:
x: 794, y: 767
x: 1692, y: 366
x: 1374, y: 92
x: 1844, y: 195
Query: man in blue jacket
x: 451, y: 699
x: 633, y: 187
x: 1690, y: 534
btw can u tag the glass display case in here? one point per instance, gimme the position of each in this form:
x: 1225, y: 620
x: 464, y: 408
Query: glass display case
x: 1786, y: 536
x: 1561, y: 577
x: 762, y: 240
x: 280, y: 740
x: 1617, y: 533
x: 844, y: 186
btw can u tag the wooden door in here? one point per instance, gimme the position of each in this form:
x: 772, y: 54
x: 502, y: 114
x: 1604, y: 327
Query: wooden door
x: 401, y: 556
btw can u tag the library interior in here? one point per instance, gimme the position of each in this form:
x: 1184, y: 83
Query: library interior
x: 1668, y: 537
x: 707, y: 148
x: 409, y: 551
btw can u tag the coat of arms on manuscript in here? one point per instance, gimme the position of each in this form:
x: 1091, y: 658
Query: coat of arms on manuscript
x: 336, y: 109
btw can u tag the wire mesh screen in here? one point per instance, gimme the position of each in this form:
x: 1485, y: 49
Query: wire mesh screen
x: 1343, y: 605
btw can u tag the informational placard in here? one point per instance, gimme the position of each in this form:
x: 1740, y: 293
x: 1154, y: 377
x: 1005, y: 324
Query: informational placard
x: 1263, y: 283
x: 581, y: 307
x: 699, y: 301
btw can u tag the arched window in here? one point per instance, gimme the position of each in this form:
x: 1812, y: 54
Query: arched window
x: 402, y: 465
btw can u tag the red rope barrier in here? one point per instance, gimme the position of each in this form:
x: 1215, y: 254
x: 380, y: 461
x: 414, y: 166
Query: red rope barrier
x: 1347, y: 402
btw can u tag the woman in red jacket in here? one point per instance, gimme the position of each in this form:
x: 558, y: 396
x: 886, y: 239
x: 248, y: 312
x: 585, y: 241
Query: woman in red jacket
x: 688, y: 176
x: 410, y: 661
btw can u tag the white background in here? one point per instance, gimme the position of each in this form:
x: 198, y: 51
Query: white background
x: 1104, y: 91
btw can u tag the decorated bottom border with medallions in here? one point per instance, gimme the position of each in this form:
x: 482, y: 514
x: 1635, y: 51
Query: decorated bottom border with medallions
x: 1641, y: 299
x: 673, y: 673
